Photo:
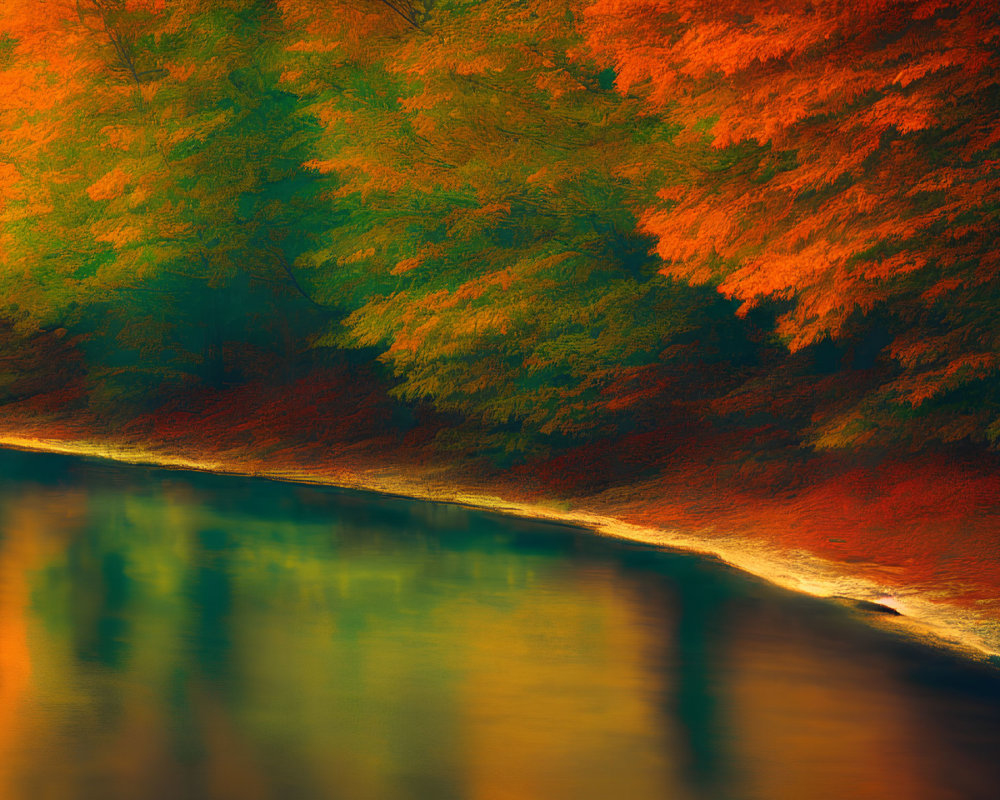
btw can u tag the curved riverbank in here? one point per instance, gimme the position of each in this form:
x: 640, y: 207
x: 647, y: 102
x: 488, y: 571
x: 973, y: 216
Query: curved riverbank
x: 937, y: 615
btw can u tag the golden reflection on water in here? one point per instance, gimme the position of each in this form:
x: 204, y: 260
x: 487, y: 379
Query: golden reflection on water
x: 15, y: 658
x: 160, y: 642
x: 811, y: 722
x: 530, y: 678
x: 29, y: 537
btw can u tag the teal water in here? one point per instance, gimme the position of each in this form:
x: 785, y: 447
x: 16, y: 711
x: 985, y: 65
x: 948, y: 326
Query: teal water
x: 177, y: 635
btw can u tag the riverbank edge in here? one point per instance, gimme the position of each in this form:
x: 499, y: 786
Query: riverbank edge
x: 921, y: 614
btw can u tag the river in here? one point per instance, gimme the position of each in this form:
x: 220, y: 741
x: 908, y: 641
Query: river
x: 168, y: 634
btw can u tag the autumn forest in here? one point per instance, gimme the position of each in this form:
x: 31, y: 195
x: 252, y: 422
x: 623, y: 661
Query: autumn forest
x: 558, y: 247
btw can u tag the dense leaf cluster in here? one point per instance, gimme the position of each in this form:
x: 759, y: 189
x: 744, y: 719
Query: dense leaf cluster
x: 550, y: 220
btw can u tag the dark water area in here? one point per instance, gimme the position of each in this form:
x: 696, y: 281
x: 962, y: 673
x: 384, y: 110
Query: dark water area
x: 167, y: 634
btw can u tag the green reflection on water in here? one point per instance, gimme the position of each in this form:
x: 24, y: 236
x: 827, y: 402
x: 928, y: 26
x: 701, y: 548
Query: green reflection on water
x: 167, y: 635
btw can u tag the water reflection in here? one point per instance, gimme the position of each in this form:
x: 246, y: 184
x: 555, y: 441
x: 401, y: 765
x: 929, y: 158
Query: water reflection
x: 181, y: 636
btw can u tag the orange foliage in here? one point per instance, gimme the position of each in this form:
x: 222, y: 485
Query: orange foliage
x: 109, y: 186
x: 846, y: 90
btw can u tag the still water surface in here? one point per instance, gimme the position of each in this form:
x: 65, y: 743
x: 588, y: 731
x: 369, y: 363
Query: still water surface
x: 174, y: 635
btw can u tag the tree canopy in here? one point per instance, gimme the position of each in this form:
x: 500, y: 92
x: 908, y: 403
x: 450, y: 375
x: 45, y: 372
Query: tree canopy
x: 551, y: 220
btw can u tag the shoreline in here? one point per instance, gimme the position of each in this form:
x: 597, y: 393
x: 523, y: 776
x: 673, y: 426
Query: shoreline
x: 916, y: 613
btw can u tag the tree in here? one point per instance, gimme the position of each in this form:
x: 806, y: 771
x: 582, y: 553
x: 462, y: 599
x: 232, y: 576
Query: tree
x: 488, y: 247
x: 159, y: 206
x: 857, y: 179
